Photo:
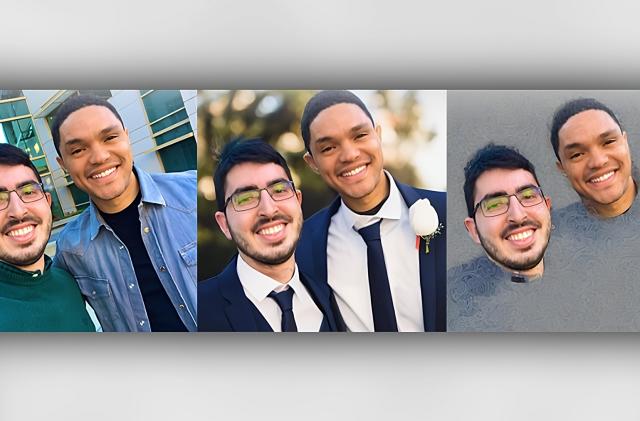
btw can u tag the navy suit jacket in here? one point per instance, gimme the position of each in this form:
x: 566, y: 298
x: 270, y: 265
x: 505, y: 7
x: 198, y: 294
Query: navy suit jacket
x: 223, y: 306
x: 311, y: 254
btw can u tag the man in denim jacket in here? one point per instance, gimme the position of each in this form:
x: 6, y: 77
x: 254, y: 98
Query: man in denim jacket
x: 133, y: 251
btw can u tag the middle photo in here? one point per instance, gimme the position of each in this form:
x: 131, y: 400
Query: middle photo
x: 322, y: 211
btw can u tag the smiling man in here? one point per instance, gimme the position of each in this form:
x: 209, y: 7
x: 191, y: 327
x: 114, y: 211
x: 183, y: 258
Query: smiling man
x: 508, y: 215
x: 363, y: 244
x: 261, y: 290
x: 133, y: 251
x: 593, y: 153
x: 34, y: 296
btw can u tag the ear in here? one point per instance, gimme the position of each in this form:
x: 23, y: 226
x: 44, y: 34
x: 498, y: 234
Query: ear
x: 470, y: 225
x: 48, y: 196
x: 221, y: 219
x: 548, y: 202
x: 560, y: 168
x: 299, y: 196
x: 378, y: 130
x: 61, y: 163
x: 311, y: 162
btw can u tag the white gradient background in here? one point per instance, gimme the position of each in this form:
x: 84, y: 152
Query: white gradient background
x: 300, y: 44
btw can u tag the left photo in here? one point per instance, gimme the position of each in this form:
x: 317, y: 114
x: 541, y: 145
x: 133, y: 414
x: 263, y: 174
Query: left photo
x: 100, y: 234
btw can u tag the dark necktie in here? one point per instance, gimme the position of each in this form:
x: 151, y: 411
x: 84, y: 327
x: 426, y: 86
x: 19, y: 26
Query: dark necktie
x: 285, y: 302
x: 384, y: 317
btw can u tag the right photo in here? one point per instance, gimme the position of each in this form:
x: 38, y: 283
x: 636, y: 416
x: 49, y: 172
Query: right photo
x: 544, y: 223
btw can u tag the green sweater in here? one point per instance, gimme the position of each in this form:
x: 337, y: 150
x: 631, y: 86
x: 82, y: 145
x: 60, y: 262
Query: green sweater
x: 35, y: 302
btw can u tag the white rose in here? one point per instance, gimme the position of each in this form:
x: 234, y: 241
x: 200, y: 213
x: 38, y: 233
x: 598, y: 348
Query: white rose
x: 423, y: 217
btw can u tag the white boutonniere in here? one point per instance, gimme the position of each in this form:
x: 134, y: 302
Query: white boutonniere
x: 424, y: 221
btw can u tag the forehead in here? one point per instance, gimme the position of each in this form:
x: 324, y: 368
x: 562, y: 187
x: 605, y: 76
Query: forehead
x: 502, y: 180
x: 586, y: 126
x: 253, y: 174
x: 336, y: 119
x: 12, y: 175
x: 86, y: 120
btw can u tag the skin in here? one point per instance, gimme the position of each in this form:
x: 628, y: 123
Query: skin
x: 31, y: 220
x: 268, y: 253
x: 346, y: 150
x: 95, y: 151
x: 497, y: 234
x: 595, y: 158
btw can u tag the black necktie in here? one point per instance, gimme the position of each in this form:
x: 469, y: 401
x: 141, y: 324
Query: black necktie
x: 384, y: 318
x: 285, y: 302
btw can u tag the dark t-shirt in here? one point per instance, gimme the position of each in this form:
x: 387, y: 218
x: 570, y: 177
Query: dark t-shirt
x: 162, y: 314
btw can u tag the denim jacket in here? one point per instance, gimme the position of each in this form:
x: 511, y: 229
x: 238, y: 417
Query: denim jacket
x: 101, y: 264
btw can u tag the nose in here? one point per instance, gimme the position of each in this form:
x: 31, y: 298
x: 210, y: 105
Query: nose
x: 267, y: 205
x: 16, y: 207
x: 598, y: 159
x: 516, y: 212
x: 349, y: 152
x: 99, y: 154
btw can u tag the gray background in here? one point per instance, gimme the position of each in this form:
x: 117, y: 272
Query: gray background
x: 521, y: 119
x: 493, y: 44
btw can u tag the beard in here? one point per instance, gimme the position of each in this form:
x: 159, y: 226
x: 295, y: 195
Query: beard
x: 26, y: 254
x: 516, y: 263
x: 278, y: 253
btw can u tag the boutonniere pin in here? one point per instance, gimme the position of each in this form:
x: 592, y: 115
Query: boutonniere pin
x: 424, y: 221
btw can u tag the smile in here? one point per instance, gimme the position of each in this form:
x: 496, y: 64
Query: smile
x: 104, y: 173
x: 20, y: 231
x: 520, y: 236
x: 602, y: 178
x: 271, y: 230
x: 354, y: 171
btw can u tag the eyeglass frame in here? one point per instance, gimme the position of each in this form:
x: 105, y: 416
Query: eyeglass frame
x: 477, y: 206
x: 44, y: 194
x: 288, y: 182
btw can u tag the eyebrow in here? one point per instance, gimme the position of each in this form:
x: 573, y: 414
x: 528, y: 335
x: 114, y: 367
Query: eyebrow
x: 75, y: 141
x: 504, y: 193
x: 254, y: 187
x: 22, y: 184
x: 603, y: 135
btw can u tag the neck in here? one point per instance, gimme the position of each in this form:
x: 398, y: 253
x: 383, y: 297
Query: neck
x: 378, y: 195
x: 37, y: 265
x: 121, y: 201
x: 617, y: 208
x: 282, y: 272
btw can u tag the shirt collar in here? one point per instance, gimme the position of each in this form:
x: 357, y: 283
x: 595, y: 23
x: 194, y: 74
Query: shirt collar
x: 150, y: 194
x: 260, y: 285
x: 392, y: 209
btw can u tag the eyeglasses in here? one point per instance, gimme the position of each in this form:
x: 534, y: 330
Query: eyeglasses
x: 249, y: 199
x: 28, y: 193
x: 497, y: 205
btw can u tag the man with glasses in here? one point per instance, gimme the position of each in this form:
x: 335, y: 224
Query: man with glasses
x: 262, y: 288
x: 508, y: 214
x: 34, y: 295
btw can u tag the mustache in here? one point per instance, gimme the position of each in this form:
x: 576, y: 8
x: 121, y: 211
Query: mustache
x: 15, y: 221
x: 512, y: 227
x: 263, y: 220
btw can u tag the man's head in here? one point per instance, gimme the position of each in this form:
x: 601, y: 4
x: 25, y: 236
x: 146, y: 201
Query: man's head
x: 258, y: 206
x: 93, y: 147
x: 593, y: 153
x: 507, y: 213
x: 25, y: 211
x: 344, y: 147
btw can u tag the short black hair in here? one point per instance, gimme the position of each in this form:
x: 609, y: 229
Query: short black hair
x: 73, y: 104
x: 487, y: 158
x: 571, y: 108
x: 12, y: 155
x: 238, y: 152
x: 323, y: 100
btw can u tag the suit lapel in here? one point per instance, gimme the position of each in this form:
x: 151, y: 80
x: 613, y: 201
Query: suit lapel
x: 238, y: 306
x: 319, y: 237
x: 322, y: 300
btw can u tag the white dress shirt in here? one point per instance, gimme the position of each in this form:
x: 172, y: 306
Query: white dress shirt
x: 257, y: 287
x: 347, y: 271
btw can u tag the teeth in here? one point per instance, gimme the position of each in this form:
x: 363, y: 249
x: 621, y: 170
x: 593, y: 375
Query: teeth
x: 602, y: 178
x: 21, y: 231
x: 520, y: 236
x: 104, y: 173
x: 271, y: 230
x: 354, y: 171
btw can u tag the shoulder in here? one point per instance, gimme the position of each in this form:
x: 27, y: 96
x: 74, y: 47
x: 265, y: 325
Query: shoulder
x: 212, y: 288
x: 75, y: 233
